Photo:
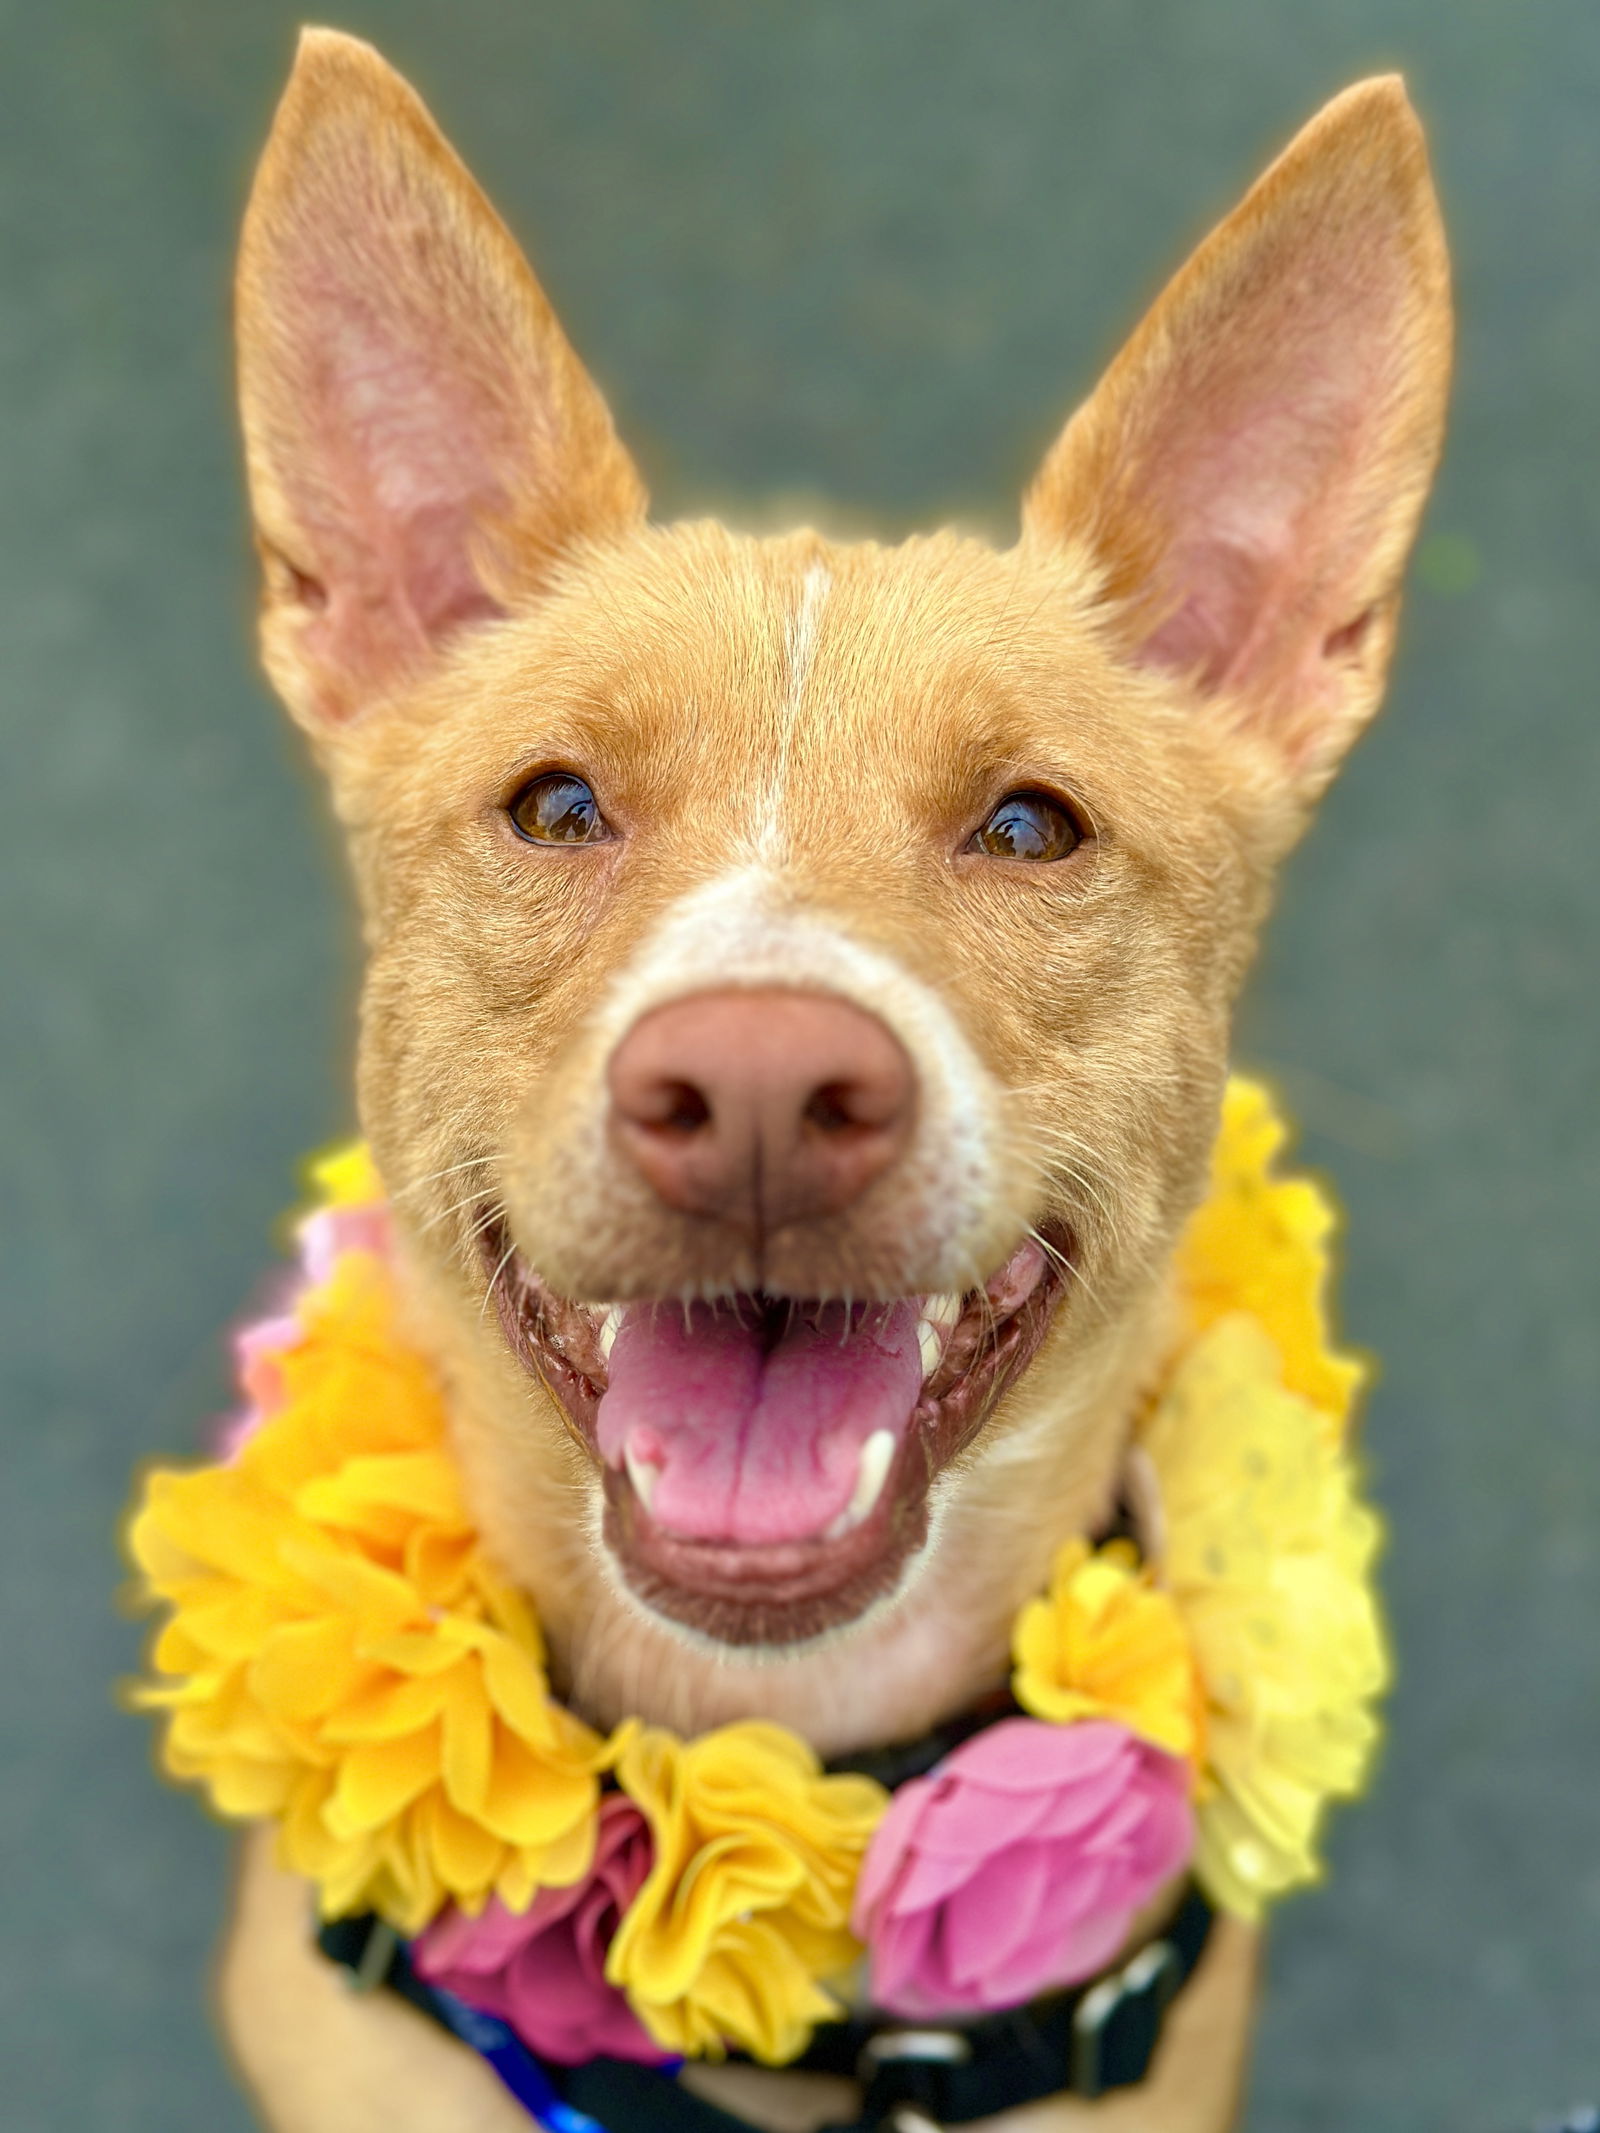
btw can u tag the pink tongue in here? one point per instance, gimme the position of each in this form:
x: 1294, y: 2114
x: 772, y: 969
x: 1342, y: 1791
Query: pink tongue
x: 756, y: 1445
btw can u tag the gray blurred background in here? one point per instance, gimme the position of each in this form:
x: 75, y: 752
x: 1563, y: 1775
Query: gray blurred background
x: 868, y: 249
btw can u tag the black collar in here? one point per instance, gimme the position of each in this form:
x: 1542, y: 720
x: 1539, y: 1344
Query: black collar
x: 915, y: 2079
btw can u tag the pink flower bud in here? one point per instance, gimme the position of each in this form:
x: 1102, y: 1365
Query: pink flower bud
x: 1018, y: 1866
x: 543, y: 1973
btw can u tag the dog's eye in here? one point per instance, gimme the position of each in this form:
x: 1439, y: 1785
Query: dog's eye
x: 558, y: 809
x: 1027, y: 825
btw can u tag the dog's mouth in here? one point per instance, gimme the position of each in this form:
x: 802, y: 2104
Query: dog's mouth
x: 767, y: 1461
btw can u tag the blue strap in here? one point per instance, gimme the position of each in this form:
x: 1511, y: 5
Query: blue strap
x: 512, y: 2061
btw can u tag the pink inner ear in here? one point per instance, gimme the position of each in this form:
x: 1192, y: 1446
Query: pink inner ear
x: 1223, y: 590
x: 1255, y: 470
x: 421, y: 439
x: 1248, y: 475
x: 404, y: 458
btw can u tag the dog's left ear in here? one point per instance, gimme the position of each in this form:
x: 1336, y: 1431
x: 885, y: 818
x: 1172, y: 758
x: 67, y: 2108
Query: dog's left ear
x: 423, y: 445
x: 1246, y: 481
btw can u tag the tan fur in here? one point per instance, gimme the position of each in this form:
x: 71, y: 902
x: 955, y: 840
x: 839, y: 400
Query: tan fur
x: 795, y: 740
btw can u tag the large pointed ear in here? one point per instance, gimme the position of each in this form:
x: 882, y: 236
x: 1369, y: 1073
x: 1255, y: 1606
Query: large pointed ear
x: 1247, y: 478
x: 422, y: 443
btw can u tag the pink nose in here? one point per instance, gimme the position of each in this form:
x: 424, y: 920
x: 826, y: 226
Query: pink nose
x: 761, y: 1108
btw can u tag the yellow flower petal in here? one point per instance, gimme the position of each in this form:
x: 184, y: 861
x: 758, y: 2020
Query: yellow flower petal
x: 1105, y: 1643
x: 384, y: 1496
x: 305, y: 1670
x: 468, y: 1855
x: 1269, y: 1557
x: 389, y: 1707
x: 339, y: 1653
x: 747, y: 1903
x: 347, y: 1176
x: 379, y: 1778
x: 516, y: 1682
x: 533, y: 1799
x: 1261, y: 1244
x: 566, y: 1858
x: 468, y: 1743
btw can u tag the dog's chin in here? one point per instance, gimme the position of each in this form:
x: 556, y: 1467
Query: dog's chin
x: 748, y: 1577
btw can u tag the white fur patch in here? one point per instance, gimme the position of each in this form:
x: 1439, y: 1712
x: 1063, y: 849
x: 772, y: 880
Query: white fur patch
x: 800, y: 643
x: 814, y: 589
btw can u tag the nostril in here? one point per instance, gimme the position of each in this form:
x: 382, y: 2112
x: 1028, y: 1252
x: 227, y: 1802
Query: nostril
x: 850, y: 1107
x: 829, y: 1109
x: 679, y: 1108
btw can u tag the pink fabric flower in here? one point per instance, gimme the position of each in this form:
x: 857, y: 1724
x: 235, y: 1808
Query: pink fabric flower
x: 1018, y: 1865
x: 257, y: 1352
x: 258, y: 1347
x: 327, y: 1234
x: 544, y: 1972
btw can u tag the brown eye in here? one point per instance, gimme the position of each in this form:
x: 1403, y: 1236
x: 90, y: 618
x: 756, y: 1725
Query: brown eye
x: 558, y: 809
x: 1028, y: 825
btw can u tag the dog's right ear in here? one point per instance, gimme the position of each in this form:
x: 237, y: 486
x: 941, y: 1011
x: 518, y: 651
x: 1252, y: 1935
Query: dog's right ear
x: 423, y: 445
x: 1247, y: 478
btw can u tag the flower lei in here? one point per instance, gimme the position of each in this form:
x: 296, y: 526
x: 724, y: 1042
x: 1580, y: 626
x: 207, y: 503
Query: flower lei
x: 341, y: 1655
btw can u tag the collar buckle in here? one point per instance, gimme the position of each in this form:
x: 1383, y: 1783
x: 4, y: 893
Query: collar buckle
x: 912, y: 2049
x: 1117, y: 2021
x: 926, y: 2047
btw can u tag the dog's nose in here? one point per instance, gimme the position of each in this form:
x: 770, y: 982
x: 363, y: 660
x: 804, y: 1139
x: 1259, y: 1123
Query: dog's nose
x: 761, y: 1107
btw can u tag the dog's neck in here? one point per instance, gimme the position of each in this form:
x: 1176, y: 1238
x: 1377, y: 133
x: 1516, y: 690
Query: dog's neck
x: 916, y: 1659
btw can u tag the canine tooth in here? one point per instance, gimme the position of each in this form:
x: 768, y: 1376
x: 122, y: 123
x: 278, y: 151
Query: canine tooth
x: 610, y: 1324
x: 877, y: 1456
x: 931, y: 1343
x: 934, y: 1320
x: 642, y: 1474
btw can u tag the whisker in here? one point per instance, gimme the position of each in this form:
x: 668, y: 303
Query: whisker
x: 1065, y: 1142
x: 1063, y: 1173
x: 1056, y: 1140
x: 479, y: 1229
x: 506, y: 1258
x: 1053, y: 1129
x: 989, y: 1328
x: 1069, y: 1270
x: 975, y: 1285
x: 473, y: 1199
x: 1060, y: 1154
x: 432, y: 1177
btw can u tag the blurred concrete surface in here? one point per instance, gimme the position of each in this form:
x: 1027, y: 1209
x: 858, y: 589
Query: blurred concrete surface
x: 873, y: 251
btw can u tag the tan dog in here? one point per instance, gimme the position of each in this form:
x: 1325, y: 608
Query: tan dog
x: 806, y: 925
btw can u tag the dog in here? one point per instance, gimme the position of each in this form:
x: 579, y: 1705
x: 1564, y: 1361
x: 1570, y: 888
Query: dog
x: 770, y: 925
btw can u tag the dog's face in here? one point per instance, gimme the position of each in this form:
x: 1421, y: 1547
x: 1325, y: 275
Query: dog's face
x: 799, y: 974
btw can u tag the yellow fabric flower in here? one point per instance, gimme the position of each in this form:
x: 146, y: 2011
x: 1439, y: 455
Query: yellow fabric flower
x: 748, y: 1903
x: 340, y: 1655
x: 346, y: 1176
x: 1105, y: 1643
x: 1269, y: 1558
x: 1260, y: 1244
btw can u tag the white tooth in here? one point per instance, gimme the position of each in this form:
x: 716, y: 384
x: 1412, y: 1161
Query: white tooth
x: 931, y: 1341
x: 877, y: 1456
x: 642, y: 1474
x: 937, y: 1315
x: 610, y: 1325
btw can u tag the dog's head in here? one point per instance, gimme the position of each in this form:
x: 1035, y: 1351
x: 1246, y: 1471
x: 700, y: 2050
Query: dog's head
x: 799, y: 973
